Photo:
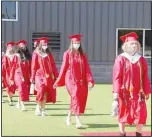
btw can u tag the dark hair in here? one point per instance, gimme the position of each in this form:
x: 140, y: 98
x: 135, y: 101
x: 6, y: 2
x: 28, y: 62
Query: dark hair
x: 24, y: 53
x: 81, y: 50
x: 36, y: 45
x: 47, y: 51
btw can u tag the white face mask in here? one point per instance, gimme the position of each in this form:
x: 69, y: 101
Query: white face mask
x: 76, y: 46
x: 9, y: 50
x: 44, y: 47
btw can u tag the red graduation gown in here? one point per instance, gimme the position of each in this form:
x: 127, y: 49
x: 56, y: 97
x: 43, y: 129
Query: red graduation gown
x: 40, y: 67
x: 3, y: 74
x: 6, y: 68
x: 21, y: 70
x: 136, y: 111
x: 35, y: 92
x: 70, y: 75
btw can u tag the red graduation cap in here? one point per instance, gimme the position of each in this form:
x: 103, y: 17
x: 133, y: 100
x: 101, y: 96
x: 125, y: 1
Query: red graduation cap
x: 36, y: 41
x: 11, y: 43
x: 44, y: 38
x: 21, y: 41
x: 129, y: 37
x: 76, y: 36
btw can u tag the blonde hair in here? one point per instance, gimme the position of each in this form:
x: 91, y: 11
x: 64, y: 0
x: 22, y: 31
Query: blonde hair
x: 13, y: 50
x: 126, y: 44
x: 71, y: 47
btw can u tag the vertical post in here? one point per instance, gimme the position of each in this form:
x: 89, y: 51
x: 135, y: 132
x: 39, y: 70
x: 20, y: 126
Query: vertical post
x: 143, y: 42
x: 117, y: 42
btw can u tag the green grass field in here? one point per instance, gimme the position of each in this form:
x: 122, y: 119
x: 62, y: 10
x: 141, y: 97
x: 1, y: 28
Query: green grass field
x: 96, y: 119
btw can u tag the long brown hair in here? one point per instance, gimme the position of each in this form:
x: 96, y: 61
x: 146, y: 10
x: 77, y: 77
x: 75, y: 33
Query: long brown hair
x: 79, y: 49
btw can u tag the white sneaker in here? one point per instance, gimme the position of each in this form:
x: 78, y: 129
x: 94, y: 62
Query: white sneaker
x: 23, y: 109
x: 18, y: 105
x: 10, y: 104
x: 68, y: 121
x: 37, y: 107
x: 78, y: 125
x: 37, y: 111
x: 44, y: 113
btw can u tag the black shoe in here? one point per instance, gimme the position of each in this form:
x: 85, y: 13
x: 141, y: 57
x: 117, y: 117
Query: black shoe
x: 138, y: 134
x: 122, y: 135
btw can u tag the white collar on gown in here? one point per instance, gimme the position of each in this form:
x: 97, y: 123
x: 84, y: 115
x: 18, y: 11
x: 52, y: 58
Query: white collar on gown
x: 9, y: 56
x: 132, y: 59
x: 41, y: 54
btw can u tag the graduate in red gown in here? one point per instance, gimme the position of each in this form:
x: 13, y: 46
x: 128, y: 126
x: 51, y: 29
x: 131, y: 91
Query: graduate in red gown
x: 131, y: 85
x: 20, y: 73
x: 36, y: 46
x: 75, y: 74
x: 44, y: 73
x: 6, y: 68
x: 3, y: 80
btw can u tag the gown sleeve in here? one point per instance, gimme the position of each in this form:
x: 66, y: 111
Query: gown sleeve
x: 146, y: 81
x: 13, y: 68
x: 64, y: 67
x: 88, y: 71
x: 117, y: 75
x: 54, y: 68
x: 34, y: 66
x: 3, y: 68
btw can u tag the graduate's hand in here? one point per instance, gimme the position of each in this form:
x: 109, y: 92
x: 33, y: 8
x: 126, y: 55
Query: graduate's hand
x: 90, y: 85
x: 11, y: 82
x: 115, y: 96
x: 32, y: 81
x: 55, y: 86
x: 56, y: 78
x: 147, y: 96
